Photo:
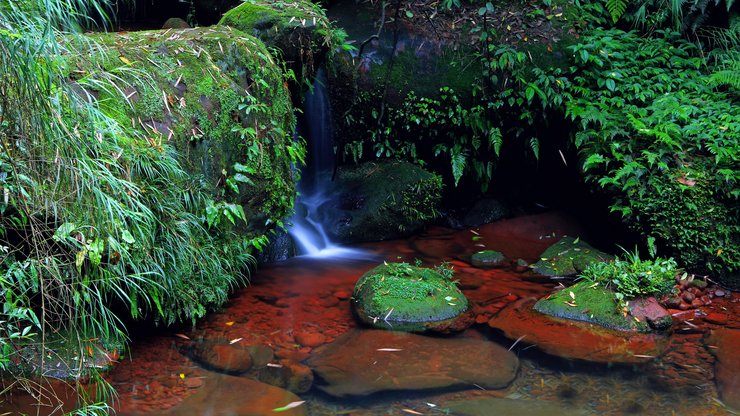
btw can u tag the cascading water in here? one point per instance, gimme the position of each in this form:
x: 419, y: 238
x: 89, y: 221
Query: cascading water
x: 307, y: 231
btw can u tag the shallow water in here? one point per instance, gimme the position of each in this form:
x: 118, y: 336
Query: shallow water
x: 305, y: 301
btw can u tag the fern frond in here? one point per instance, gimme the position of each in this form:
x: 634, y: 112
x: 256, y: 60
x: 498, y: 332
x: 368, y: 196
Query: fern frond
x: 616, y: 8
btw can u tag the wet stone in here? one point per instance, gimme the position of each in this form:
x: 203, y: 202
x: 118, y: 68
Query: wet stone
x: 221, y: 356
x: 487, y: 258
x: 568, y: 257
x: 363, y: 362
x: 501, y: 406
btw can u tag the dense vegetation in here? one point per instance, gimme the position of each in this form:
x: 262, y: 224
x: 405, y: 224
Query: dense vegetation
x: 649, y: 94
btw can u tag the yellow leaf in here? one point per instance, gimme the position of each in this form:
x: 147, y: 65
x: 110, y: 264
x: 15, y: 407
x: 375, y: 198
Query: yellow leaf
x: 182, y: 376
x: 124, y: 60
x: 229, y: 323
x: 719, y: 252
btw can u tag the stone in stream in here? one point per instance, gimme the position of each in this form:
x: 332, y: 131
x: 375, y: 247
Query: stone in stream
x: 568, y: 257
x: 487, y: 258
x: 223, y: 395
x: 363, y: 362
x: 488, y: 406
x: 596, y: 304
x: 727, y: 368
x: 402, y: 297
x: 289, y: 375
x: 576, y: 340
x: 222, y: 356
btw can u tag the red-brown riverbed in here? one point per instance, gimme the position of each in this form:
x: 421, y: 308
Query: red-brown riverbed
x: 293, y: 308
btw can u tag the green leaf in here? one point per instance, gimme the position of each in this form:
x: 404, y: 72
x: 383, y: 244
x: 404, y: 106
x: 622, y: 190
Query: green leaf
x: 127, y: 237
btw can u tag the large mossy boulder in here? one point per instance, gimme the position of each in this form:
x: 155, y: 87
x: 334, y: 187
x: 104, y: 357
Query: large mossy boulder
x: 298, y: 29
x: 380, y: 201
x: 568, y: 257
x: 593, y: 303
x: 402, y: 297
x: 216, y: 96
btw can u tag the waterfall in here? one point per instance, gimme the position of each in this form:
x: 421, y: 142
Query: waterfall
x: 307, y: 230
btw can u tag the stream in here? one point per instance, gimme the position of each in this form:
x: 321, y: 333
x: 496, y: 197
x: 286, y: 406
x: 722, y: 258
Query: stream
x: 293, y: 308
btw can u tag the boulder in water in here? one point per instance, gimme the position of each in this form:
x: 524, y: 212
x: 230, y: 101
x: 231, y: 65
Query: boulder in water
x: 487, y: 258
x: 568, y: 257
x: 402, y: 297
x: 363, y: 362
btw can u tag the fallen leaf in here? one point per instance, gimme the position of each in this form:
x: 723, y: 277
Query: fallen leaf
x: 687, y: 182
x: 183, y: 336
x: 413, y: 412
x: 230, y: 323
x: 124, y: 60
x: 389, y: 349
x: 235, y: 340
x: 289, y: 406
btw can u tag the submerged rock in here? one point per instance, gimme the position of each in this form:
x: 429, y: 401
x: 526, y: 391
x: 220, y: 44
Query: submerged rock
x: 568, y: 257
x: 487, y: 258
x: 363, y: 362
x: 596, y: 304
x: 221, y: 356
x: 234, y: 396
x: 402, y: 297
x: 576, y: 340
x: 487, y: 406
x: 289, y: 375
x: 727, y: 367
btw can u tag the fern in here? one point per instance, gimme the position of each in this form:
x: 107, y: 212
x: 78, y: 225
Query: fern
x: 616, y: 8
x: 459, y: 160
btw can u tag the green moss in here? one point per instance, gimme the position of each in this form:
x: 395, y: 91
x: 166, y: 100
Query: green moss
x: 589, y: 303
x: 568, y: 257
x: 404, y: 297
x: 487, y: 258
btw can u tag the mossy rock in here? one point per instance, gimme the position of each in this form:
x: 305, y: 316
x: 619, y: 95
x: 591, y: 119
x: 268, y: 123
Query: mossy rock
x: 381, y: 200
x: 487, y: 258
x: 299, y: 29
x: 568, y: 257
x: 184, y: 88
x: 402, y: 297
x: 591, y: 303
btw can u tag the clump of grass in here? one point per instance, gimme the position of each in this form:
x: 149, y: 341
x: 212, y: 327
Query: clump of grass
x: 630, y: 277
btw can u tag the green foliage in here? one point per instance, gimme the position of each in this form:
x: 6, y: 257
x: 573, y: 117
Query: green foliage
x: 632, y: 277
x: 655, y: 133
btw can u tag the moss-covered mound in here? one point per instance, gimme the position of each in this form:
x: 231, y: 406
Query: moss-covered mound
x: 298, y: 29
x: 568, y: 257
x: 217, y: 96
x: 592, y: 303
x: 402, y: 297
x: 380, y: 201
x: 487, y: 258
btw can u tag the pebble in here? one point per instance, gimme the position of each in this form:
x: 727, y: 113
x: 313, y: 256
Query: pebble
x: 310, y: 339
x: 719, y: 293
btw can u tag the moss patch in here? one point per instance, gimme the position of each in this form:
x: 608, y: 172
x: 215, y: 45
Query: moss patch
x: 487, y: 258
x: 589, y: 303
x: 568, y: 257
x: 217, y: 96
x: 404, y: 297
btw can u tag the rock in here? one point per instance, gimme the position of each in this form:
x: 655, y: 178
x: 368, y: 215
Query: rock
x: 402, y: 297
x: 485, y: 211
x: 588, y: 303
x: 310, y: 339
x: 297, y: 28
x: 521, y: 265
x: 698, y: 283
x: 225, y: 395
x: 175, y: 23
x: 221, y: 356
x: 261, y: 355
x: 568, y: 257
x: 717, y: 318
x: 648, y: 309
x: 487, y: 258
x: 489, y: 406
x: 576, y: 340
x: 289, y: 375
x: 380, y: 201
x: 363, y: 362
x: 727, y: 367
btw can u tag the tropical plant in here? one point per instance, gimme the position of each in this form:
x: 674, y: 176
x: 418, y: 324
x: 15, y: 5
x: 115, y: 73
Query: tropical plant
x: 630, y: 277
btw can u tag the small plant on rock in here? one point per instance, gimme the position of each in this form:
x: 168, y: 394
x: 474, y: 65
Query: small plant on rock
x: 632, y: 277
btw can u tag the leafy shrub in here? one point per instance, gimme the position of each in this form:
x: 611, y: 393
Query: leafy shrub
x: 633, y: 277
x: 659, y: 137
